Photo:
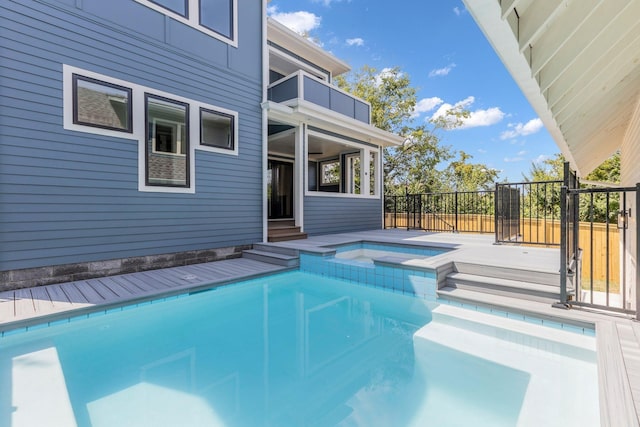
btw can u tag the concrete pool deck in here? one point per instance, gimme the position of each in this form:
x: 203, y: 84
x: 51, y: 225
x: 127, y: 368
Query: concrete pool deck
x: 617, y: 336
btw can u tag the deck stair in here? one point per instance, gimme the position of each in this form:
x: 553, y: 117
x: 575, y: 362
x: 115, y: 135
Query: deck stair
x: 468, y: 279
x: 281, y: 231
x: 273, y: 254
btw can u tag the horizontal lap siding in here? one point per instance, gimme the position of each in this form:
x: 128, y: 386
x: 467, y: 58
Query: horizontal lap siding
x: 324, y: 215
x: 68, y: 197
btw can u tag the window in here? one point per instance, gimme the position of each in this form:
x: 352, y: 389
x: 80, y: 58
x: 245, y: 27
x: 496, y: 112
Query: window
x: 216, y: 129
x: 101, y: 104
x: 217, y: 15
x: 353, y: 173
x: 330, y: 173
x: 167, y: 136
x: 340, y: 166
x: 165, y: 127
x: 216, y: 18
x: 180, y: 7
x: 373, y: 187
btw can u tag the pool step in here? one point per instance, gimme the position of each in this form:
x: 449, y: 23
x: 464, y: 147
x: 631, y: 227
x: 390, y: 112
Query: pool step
x: 509, y: 304
x: 269, y: 247
x: 272, y: 257
x: 458, y: 328
x: 38, y: 373
x: 504, y: 287
x: 542, y: 275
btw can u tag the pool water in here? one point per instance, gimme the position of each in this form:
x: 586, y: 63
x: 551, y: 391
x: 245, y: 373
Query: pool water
x: 296, y: 349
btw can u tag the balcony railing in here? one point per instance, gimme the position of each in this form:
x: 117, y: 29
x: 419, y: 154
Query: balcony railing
x: 301, y: 85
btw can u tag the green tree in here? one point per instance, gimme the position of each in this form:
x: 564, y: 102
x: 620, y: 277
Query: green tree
x: 548, y: 170
x: 413, y: 165
x: 590, y: 208
x: 465, y: 176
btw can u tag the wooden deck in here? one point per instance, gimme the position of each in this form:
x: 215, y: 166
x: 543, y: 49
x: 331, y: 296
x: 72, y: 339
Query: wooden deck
x: 24, y: 307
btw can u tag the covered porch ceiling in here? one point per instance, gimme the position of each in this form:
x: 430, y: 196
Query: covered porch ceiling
x: 578, y: 64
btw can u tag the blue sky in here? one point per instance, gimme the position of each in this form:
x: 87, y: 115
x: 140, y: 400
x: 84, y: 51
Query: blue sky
x: 448, y: 59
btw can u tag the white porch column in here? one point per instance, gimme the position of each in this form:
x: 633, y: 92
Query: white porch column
x: 298, y: 174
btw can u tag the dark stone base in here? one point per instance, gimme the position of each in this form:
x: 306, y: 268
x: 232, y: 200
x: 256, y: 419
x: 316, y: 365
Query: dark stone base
x: 40, y: 276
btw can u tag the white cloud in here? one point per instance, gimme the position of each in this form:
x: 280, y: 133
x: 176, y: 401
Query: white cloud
x: 425, y: 105
x: 457, y: 10
x: 482, y: 151
x: 328, y: 2
x: 301, y: 21
x: 385, y: 73
x: 477, y: 118
x: 513, y: 159
x: 357, y: 41
x: 522, y: 153
x: 442, y: 71
x: 522, y: 129
x: 541, y: 158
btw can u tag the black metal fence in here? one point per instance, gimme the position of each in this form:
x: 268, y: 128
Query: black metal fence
x: 464, y: 211
x: 595, y: 253
x: 525, y: 212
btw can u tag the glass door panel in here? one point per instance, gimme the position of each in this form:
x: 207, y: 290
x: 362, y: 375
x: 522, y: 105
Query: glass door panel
x: 280, y: 189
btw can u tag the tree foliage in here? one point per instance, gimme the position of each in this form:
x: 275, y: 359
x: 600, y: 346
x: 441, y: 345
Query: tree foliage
x: 590, y: 208
x: 417, y: 165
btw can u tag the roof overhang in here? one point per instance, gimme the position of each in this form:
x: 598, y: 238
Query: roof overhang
x: 293, y: 42
x: 299, y: 111
x: 578, y: 64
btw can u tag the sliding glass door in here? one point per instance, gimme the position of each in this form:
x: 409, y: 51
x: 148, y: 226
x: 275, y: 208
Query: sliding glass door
x: 280, y: 189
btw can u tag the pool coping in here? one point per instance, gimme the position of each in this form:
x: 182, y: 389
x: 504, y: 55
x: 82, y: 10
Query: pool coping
x: 38, y: 321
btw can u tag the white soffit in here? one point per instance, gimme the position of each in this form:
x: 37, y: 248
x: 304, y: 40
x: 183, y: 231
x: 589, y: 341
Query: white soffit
x: 293, y: 42
x: 578, y: 64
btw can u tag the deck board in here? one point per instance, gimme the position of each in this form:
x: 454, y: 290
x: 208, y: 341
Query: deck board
x: 73, y: 294
x: 106, y: 292
x: 154, y: 277
x: 58, y: 297
x: 6, y: 306
x: 41, y: 299
x: 135, y: 287
x: 23, y: 303
x: 27, y: 305
x: 89, y: 293
x: 116, y: 288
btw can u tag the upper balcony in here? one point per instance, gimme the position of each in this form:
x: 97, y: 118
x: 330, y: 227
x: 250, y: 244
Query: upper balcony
x: 300, y: 85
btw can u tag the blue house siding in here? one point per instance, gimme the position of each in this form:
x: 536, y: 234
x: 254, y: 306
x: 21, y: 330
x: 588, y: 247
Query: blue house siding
x: 69, y: 197
x: 324, y: 215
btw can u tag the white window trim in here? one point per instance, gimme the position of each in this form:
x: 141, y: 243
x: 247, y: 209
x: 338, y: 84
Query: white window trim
x: 210, y: 148
x: 138, y: 124
x: 193, y: 19
x: 366, y: 149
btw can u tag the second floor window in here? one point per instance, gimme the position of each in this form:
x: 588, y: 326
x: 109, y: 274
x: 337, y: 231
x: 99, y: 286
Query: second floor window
x: 214, y: 17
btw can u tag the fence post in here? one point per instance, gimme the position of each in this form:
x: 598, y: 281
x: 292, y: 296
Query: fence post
x: 637, y: 252
x: 456, y: 226
x: 495, y: 212
x: 406, y: 203
x: 563, y: 248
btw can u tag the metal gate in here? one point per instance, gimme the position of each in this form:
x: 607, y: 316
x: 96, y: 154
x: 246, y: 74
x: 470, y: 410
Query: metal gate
x: 507, y: 214
x: 595, y: 231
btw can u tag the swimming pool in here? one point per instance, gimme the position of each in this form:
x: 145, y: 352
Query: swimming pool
x: 297, y: 349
